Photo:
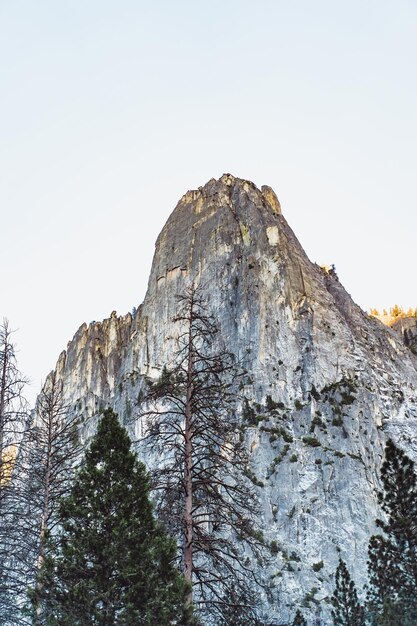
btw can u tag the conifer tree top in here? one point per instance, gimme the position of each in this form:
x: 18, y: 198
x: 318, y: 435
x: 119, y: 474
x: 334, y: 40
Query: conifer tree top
x: 113, y: 563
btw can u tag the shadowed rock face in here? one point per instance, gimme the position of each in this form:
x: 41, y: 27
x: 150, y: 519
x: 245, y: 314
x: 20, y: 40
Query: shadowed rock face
x: 328, y: 382
x: 406, y: 327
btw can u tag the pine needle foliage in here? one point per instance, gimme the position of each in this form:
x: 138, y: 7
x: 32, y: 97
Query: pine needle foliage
x: 238, y: 607
x: 112, y: 563
x: 347, y: 611
x: 299, y: 619
x: 392, y: 561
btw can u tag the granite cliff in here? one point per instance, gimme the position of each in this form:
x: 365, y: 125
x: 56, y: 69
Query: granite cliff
x: 326, y: 383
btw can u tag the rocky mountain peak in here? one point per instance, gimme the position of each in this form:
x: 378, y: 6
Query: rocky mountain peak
x: 326, y: 383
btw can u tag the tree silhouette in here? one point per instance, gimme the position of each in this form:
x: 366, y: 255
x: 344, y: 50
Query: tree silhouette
x: 111, y: 563
x: 193, y: 430
x: 48, y: 460
x: 13, y: 424
x: 393, y: 554
x: 299, y: 619
x: 347, y: 611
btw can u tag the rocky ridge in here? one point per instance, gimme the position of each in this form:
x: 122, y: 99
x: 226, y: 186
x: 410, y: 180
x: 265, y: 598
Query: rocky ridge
x: 326, y: 382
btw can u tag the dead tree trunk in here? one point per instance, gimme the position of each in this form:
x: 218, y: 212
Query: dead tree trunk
x: 192, y: 429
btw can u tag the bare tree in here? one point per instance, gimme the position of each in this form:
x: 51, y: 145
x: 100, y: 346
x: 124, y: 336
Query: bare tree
x: 13, y: 424
x: 53, y: 452
x: 192, y: 430
x: 44, y: 468
x: 13, y: 407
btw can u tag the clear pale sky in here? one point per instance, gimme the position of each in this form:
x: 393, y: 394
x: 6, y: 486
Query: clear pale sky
x: 110, y: 111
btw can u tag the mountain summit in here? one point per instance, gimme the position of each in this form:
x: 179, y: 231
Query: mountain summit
x: 325, y: 385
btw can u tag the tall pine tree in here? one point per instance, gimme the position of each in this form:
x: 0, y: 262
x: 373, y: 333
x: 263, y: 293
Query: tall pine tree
x: 393, y: 555
x: 112, y: 564
x: 347, y: 610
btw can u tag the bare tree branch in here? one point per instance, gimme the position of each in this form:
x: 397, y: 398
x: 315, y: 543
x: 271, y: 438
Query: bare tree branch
x: 192, y: 430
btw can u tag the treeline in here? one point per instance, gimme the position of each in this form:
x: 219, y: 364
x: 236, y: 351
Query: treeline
x: 395, y: 311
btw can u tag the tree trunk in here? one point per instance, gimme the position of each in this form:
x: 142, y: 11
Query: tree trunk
x: 45, y: 512
x: 3, y: 397
x: 188, y: 465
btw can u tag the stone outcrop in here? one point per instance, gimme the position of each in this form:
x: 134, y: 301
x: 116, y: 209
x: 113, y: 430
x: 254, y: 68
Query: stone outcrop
x: 327, y: 382
x: 407, y: 329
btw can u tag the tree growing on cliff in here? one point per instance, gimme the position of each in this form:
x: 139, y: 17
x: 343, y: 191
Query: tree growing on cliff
x: 392, y: 561
x: 299, y: 619
x: 192, y: 427
x: 111, y: 563
x: 347, y: 610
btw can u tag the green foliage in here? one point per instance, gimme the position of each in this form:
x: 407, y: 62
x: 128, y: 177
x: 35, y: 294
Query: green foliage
x: 287, y: 437
x: 311, y: 441
x: 238, y: 608
x: 253, y: 478
x: 278, y: 432
x: 110, y: 563
x: 343, y: 386
x: 347, y: 611
x: 272, y: 406
x: 310, y: 597
x: 249, y: 413
x: 347, y: 398
x: 278, y: 459
x: 393, y: 555
x: 128, y: 409
x: 318, y: 566
x: 164, y: 380
x: 314, y: 393
x: 299, y: 619
x: 317, y: 421
x: 258, y: 535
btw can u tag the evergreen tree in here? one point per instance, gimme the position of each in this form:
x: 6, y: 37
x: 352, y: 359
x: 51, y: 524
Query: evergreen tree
x: 112, y: 563
x: 237, y: 607
x: 299, y: 619
x: 393, y: 555
x: 347, y: 609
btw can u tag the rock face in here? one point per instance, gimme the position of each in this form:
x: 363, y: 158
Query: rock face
x: 327, y: 382
x: 407, y: 328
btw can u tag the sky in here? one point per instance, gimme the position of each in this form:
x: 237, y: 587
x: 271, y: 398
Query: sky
x: 110, y: 111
